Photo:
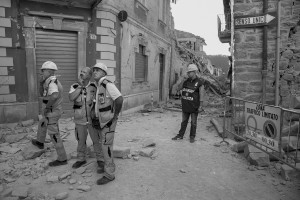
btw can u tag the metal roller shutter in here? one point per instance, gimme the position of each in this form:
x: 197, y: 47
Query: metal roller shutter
x: 61, y: 48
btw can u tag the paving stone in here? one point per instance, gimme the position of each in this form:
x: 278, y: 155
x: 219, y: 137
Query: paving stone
x: 52, y: 178
x: 65, y: 175
x: 259, y: 159
x: 121, y: 152
x: 8, y: 149
x: 148, y: 143
x: 32, y: 152
x: 62, y: 195
x: 288, y: 173
x: 84, y: 188
x: 15, y: 138
x: 239, y: 147
x: 27, y: 122
x: 147, y: 152
x: 20, y: 191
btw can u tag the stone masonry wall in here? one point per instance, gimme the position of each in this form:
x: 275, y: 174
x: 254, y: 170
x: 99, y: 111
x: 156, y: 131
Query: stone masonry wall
x: 248, y: 53
x: 6, y: 80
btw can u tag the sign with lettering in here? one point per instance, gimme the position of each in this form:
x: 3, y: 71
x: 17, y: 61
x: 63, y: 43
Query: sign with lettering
x: 252, y: 21
x: 263, y: 124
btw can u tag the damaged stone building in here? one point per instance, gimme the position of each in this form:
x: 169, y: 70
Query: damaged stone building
x: 130, y: 36
x: 264, y: 38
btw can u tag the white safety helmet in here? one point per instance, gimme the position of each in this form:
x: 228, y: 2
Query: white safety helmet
x: 192, y: 67
x: 49, y: 65
x: 101, y: 66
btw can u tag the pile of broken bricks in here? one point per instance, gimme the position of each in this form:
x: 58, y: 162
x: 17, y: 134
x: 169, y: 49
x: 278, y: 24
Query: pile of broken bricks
x: 259, y: 160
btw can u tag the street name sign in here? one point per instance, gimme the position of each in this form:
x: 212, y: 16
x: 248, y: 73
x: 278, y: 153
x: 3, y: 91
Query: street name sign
x: 252, y: 21
x: 263, y: 124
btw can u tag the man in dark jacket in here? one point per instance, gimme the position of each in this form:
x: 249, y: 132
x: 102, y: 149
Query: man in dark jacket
x: 191, y: 100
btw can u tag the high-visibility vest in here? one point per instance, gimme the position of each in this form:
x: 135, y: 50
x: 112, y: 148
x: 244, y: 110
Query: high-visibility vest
x: 105, y: 107
x: 56, y: 108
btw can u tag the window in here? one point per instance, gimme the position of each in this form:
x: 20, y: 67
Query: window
x: 141, y: 64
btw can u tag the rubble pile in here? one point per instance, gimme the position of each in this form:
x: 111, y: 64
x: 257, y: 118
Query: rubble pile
x: 23, y: 166
x: 211, y: 82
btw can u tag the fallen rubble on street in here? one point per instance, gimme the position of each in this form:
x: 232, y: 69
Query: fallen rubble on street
x: 147, y: 160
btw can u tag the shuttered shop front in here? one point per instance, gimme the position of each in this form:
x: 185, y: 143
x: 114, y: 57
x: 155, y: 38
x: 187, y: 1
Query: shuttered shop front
x: 61, y: 48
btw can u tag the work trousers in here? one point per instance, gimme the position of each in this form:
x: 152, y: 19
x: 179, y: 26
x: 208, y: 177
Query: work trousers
x: 185, y: 119
x: 106, y: 135
x: 50, y: 124
x: 81, y: 133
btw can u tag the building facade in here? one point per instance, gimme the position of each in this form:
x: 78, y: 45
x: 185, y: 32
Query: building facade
x: 260, y: 72
x: 135, y: 46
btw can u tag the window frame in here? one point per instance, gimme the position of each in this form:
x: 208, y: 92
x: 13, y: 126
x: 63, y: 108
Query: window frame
x: 146, y: 64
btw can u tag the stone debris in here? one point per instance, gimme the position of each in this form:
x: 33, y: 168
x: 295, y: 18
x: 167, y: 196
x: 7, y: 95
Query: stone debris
x: 65, y: 175
x: 11, y: 198
x: 80, y: 170
x: 52, y: 179
x: 136, y: 158
x: 32, y: 152
x: 27, y: 122
x: 61, y: 196
x: 259, y: 159
x: 72, y: 181
x: 121, y: 152
x: 256, y: 157
x: 182, y: 171
x: 288, y: 173
x: 129, y: 156
x: 148, y: 143
x: 252, y: 168
x: 145, y: 114
x: 71, y: 188
x: 84, y: 188
x: 7, y: 192
x: 20, y: 191
x: 239, y: 147
x: 10, y: 180
x: 10, y: 150
x: 15, y: 138
x: 147, y: 152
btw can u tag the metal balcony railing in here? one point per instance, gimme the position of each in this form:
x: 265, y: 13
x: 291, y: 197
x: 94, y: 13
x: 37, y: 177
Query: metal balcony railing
x: 224, y: 24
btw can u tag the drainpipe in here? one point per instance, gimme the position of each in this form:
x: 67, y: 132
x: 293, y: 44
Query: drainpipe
x: 265, y: 54
x: 277, y: 55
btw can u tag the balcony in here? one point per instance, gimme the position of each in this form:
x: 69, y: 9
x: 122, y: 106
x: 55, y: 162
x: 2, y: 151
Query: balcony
x: 224, y: 25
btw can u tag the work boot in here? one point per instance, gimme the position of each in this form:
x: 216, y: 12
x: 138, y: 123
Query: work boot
x: 104, y: 180
x: 57, y: 163
x: 78, y: 164
x: 37, y: 144
x: 101, y: 167
x: 177, y: 137
x: 192, y: 140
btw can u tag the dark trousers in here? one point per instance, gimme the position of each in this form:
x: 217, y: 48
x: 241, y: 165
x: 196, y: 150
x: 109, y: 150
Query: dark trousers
x: 185, y: 119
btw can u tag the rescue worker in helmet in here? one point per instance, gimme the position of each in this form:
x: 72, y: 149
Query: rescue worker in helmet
x: 191, y: 100
x: 108, y: 104
x: 51, y: 91
x: 82, y: 94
